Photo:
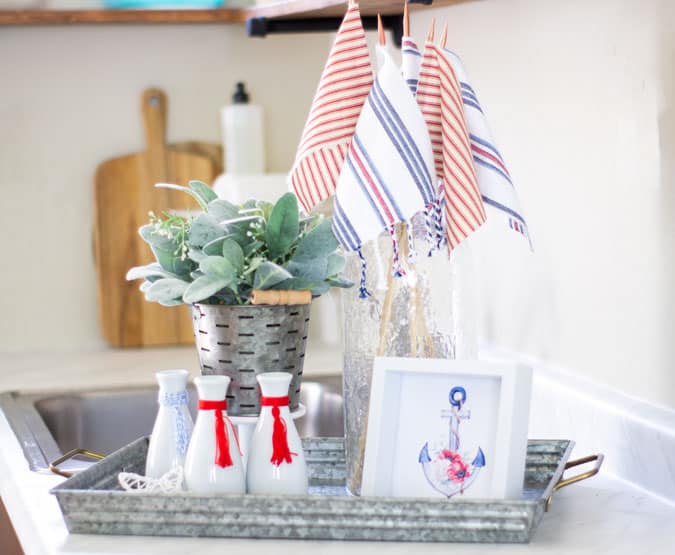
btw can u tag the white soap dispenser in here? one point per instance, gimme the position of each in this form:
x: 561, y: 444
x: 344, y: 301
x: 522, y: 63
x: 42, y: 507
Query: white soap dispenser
x: 242, y: 124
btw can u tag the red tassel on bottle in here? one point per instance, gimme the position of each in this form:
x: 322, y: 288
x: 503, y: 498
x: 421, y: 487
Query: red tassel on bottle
x: 281, y: 452
x: 223, y: 458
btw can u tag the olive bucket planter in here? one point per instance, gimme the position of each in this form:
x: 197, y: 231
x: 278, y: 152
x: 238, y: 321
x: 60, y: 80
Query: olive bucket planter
x: 242, y: 341
x: 249, y: 272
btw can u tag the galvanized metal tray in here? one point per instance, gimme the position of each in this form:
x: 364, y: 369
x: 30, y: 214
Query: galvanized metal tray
x: 93, y: 503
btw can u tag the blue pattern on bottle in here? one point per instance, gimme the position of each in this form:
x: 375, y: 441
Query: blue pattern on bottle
x: 177, y: 401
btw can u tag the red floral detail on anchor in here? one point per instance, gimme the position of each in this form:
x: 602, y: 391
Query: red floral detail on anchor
x: 458, y: 470
x: 447, y: 454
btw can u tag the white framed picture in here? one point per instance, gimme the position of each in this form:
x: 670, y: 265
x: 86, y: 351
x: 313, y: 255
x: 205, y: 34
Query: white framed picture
x: 446, y: 428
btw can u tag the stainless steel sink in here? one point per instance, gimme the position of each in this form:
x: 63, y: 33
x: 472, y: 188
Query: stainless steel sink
x: 104, y: 420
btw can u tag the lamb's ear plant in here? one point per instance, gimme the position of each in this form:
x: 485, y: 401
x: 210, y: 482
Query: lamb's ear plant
x: 221, y: 254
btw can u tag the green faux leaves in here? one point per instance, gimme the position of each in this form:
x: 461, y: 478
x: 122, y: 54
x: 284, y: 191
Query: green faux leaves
x: 167, y: 290
x: 222, y: 210
x: 151, y: 270
x: 203, y: 191
x: 190, y: 192
x: 283, y: 226
x: 204, y: 230
x: 310, y: 259
x: 220, y: 255
x: 319, y: 242
x: 203, y: 288
x: 233, y: 253
x: 218, y: 266
x: 269, y: 274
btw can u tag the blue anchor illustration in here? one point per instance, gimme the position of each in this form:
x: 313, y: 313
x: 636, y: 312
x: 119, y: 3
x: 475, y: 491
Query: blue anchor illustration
x: 457, y: 476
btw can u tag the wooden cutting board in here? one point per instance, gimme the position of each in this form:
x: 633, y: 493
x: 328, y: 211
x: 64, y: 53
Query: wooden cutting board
x: 124, y: 193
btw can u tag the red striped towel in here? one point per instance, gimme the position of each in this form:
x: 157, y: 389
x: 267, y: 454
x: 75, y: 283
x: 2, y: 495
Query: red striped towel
x: 429, y: 101
x: 464, y: 210
x: 343, y: 88
x: 440, y: 99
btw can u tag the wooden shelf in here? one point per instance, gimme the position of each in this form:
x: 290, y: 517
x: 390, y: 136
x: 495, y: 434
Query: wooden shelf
x: 67, y: 17
x: 284, y: 9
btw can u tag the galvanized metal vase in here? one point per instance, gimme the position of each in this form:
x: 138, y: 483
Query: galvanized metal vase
x: 242, y: 341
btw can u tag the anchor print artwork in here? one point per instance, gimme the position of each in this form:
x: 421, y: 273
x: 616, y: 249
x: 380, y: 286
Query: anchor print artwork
x: 447, y: 467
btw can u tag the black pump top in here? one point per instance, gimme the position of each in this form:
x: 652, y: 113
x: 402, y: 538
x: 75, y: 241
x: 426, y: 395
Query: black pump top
x: 240, y: 95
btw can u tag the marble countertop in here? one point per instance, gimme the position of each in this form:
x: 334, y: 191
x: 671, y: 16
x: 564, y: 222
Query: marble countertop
x: 602, y: 515
x: 55, y: 372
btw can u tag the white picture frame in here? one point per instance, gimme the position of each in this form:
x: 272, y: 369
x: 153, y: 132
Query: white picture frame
x: 487, y: 405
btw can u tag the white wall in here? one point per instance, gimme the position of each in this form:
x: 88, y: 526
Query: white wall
x: 69, y: 99
x: 581, y: 96
x: 581, y: 99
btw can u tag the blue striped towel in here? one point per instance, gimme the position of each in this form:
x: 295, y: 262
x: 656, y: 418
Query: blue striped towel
x: 388, y: 175
x: 494, y: 180
x: 410, y: 63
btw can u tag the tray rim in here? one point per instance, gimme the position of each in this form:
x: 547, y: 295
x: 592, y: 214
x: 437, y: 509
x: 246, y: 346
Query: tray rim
x: 309, y: 517
x: 64, y: 487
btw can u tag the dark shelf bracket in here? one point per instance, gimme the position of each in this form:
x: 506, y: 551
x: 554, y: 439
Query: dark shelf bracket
x: 262, y: 26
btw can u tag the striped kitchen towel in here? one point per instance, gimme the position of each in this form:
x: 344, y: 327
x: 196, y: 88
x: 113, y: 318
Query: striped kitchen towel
x: 343, y: 88
x: 494, y: 180
x: 411, y: 59
x: 410, y: 63
x: 457, y: 210
x: 462, y: 203
x: 389, y: 171
x: 428, y: 94
x: 429, y: 100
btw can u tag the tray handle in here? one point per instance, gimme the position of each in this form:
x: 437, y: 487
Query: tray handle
x: 54, y: 465
x: 563, y: 482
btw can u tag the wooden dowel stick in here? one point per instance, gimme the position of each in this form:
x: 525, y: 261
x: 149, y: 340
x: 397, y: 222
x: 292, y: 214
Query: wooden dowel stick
x: 388, y: 303
x: 417, y: 327
x: 444, y: 36
x: 432, y: 30
x: 406, y: 19
x: 420, y: 341
x: 380, y: 31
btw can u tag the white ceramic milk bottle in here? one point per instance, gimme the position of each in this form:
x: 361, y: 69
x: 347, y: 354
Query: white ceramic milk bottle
x: 173, y: 425
x: 213, y: 462
x: 276, y: 462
